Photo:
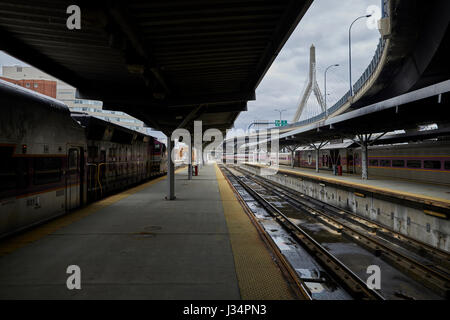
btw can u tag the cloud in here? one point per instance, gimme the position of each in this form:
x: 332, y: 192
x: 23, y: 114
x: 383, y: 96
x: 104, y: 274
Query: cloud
x: 326, y: 26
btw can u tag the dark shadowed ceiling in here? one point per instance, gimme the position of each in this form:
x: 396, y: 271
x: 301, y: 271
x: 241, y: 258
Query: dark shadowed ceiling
x: 167, y: 62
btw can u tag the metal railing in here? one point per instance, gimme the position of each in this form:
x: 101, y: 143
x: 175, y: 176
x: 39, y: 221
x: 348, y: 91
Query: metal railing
x: 363, y: 79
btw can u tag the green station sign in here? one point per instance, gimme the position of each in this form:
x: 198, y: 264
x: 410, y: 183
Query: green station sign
x: 280, y: 123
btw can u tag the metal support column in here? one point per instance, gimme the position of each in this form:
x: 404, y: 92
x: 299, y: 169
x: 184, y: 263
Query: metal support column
x: 257, y: 147
x: 317, y: 148
x: 317, y: 159
x: 246, y: 149
x: 292, y: 157
x: 170, y: 171
x: 364, y: 161
x: 235, y: 150
x: 364, y: 142
x: 190, y: 161
x: 292, y: 149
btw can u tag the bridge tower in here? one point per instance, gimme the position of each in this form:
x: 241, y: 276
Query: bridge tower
x: 311, y: 86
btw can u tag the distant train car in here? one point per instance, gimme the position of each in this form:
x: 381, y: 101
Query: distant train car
x: 118, y: 157
x: 50, y: 164
x: 284, y: 159
x: 425, y: 162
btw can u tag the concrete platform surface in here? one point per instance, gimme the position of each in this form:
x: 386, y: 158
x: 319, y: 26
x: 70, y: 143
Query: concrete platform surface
x: 420, y: 191
x: 134, y: 245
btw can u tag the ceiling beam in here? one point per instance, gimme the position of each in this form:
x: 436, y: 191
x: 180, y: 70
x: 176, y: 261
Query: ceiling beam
x: 123, y: 20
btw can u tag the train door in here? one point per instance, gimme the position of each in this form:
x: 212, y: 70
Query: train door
x: 82, y: 166
x: 73, y: 178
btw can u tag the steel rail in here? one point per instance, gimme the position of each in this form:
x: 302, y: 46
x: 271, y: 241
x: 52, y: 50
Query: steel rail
x: 356, y: 287
x: 289, y: 270
x: 431, y: 278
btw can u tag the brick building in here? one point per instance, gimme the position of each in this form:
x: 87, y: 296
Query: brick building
x: 46, y: 87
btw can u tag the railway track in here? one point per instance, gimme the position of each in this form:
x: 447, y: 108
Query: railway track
x: 353, y: 285
x: 440, y: 259
x: 371, y: 236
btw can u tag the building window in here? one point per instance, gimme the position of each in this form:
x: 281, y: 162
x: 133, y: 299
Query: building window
x: 398, y: 163
x: 431, y: 164
x: 35, y: 85
x: 18, y: 69
x: 414, y: 163
x: 27, y: 84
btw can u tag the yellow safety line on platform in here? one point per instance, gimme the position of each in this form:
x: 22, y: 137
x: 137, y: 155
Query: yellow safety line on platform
x: 15, y: 242
x: 401, y: 194
x: 258, y: 276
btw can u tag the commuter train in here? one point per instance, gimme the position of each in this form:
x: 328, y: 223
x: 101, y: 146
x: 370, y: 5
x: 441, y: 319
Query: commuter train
x: 423, y: 162
x: 52, y: 162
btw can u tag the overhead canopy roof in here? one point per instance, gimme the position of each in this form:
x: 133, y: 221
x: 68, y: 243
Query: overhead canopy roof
x: 424, y: 106
x: 166, y: 62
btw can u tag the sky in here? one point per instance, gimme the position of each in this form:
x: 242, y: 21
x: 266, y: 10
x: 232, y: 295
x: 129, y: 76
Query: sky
x: 325, y: 25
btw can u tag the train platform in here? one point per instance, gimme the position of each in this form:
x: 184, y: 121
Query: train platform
x: 425, y: 193
x: 137, y: 245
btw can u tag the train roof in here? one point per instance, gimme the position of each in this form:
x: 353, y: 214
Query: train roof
x: 96, y: 129
x: 13, y: 92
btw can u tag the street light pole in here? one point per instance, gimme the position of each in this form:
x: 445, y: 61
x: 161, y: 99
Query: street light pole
x: 280, y: 111
x: 325, y: 87
x: 350, y: 50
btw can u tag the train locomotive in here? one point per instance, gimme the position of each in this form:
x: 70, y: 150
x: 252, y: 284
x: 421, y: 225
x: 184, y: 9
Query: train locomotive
x: 52, y: 161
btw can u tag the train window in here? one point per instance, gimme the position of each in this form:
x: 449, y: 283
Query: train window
x: 73, y: 159
x: 385, y: 163
x: 7, y: 169
x: 13, y: 170
x: 156, y: 146
x: 22, y: 172
x: 414, y: 163
x: 47, y: 170
x: 398, y: 163
x: 373, y: 163
x: 92, y: 152
x: 447, y: 165
x: 432, y: 164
